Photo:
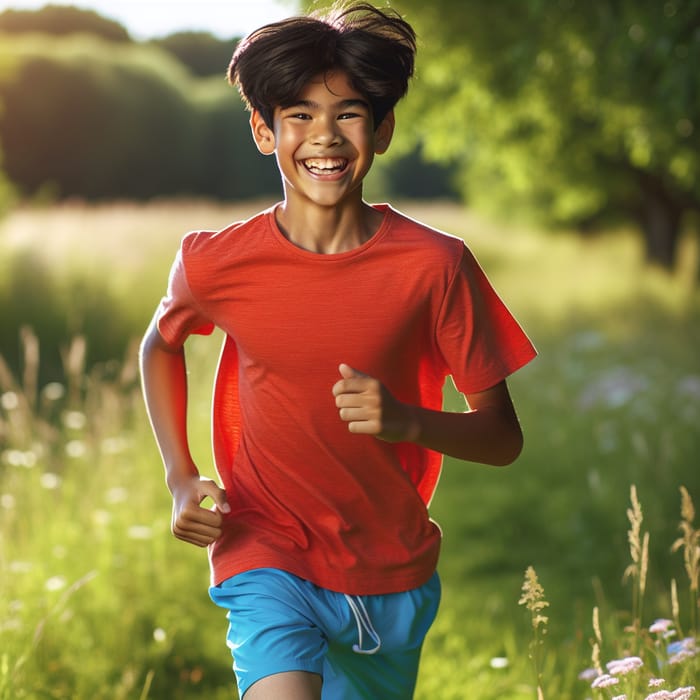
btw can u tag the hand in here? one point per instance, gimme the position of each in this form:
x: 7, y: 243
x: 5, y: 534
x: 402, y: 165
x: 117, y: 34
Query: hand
x: 369, y: 408
x: 190, y: 521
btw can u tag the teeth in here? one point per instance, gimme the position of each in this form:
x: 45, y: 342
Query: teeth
x: 323, y: 166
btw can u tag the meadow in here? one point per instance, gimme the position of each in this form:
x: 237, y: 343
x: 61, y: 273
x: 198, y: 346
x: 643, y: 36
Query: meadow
x: 99, y: 601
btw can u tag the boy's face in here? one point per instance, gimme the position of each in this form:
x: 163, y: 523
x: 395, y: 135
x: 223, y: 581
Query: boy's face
x: 325, y: 142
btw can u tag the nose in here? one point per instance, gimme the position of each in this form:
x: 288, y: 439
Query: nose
x: 325, y: 132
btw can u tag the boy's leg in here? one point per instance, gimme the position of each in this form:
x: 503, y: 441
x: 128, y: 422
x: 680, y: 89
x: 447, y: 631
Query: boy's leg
x: 388, y: 668
x: 291, y: 685
x: 277, y: 645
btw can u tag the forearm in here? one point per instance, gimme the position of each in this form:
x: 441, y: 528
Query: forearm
x: 488, y: 435
x: 164, y: 383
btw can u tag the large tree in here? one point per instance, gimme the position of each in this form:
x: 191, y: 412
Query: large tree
x: 573, y: 109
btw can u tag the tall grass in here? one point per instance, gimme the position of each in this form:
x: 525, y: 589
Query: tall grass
x: 97, y: 600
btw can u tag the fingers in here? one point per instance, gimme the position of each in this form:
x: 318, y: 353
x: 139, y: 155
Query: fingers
x: 193, y: 523
x: 197, y: 526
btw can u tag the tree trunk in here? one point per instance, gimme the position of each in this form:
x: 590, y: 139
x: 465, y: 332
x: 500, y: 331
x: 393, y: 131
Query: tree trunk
x: 660, y: 219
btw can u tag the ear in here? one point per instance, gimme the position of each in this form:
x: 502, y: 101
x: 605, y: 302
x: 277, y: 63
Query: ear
x: 383, y: 133
x: 263, y: 136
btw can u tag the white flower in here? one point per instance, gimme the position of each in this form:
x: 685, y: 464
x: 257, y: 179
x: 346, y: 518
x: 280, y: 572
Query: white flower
x: 9, y: 400
x: 140, y: 532
x: 53, y: 391
x: 55, y: 583
x: 76, y: 449
x: 50, y: 481
x: 74, y: 420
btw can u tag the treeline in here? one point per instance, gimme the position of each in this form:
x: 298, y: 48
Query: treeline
x: 87, y: 112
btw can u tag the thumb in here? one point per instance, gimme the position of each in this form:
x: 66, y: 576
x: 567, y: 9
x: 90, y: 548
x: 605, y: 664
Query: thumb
x: 210, y: 489
x: 347, y: 372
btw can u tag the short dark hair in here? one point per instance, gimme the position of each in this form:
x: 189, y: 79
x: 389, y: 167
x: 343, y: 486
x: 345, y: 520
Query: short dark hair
x: 375, y: 48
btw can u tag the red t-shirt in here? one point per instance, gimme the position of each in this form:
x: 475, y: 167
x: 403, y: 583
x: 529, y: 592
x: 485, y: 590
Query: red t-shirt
x: 410, y: 306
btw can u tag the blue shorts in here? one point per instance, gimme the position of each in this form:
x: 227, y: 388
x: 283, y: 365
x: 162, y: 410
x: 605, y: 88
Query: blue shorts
x: 364, y: 647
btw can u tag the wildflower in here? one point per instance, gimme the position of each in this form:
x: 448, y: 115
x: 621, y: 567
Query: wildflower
x: 682, y: 650
x: 690, y: 540
x: 140, y: 532
x: 117, y: 495
x: 114, y: 445
x: 9, y: 400
x: 101, y: 517
x: 74, y: 420
x: 656, y: 682
x: 53, y: 391
x: 605, y: 681
x: 621, y: 667
x: 19, y: 458
x: 55, y: 583
x: 160, y: 635
x: 661, y: 626
x: 659, y: 695
x: 7, y: 501
x: 620, y: 697
x: 682, y: 693
x: 589, y: 674
x: 76, y: 449
x: 21, y: 567
x: 533, y: 598
x: 50, y: 481
x: 635, y: 517
x: 499, y: 662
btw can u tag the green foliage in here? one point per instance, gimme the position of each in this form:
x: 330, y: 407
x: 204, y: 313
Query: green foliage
x: 89, y: 119
x: 61, y: 20
x: 564, y: 111
x: 201, y: 52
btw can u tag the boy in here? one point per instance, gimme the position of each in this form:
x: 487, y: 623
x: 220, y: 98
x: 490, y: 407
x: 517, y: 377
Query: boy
x: 342, y: 321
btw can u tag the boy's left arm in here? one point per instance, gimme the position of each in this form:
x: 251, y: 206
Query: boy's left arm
x: 489, y: 433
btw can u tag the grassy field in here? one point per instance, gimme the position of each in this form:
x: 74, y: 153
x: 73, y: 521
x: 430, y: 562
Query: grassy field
x: 97, y: 600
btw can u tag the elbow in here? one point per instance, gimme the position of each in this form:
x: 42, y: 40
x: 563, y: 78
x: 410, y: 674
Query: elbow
x: 509, y: 449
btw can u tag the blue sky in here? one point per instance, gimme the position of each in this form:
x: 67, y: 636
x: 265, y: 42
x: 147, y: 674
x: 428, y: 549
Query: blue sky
x: 145, y: 19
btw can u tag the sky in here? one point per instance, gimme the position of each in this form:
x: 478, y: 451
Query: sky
x: 145, y: 19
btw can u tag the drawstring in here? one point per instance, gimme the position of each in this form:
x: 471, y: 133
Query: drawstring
x: 363, y: 622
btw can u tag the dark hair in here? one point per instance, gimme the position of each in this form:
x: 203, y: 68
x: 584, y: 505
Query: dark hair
x: 375, y: 48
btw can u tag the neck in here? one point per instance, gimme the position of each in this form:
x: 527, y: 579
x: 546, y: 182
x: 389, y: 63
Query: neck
x: 328, y: 230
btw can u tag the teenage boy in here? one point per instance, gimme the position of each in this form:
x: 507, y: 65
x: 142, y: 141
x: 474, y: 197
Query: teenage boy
x: 342, y: 321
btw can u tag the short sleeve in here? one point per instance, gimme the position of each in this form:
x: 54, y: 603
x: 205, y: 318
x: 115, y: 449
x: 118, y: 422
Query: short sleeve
x: 480, y: 340
x: 178, y: 314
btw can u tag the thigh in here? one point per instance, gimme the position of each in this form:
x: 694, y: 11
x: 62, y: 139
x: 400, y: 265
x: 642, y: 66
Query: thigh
x: 401, y: 622
x: 272, y: 631
x: 291, y: 685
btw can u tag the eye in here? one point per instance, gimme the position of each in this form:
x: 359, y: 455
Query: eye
x: 349, y: 115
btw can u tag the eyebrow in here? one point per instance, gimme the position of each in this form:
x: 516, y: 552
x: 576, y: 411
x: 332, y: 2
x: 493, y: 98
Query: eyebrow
x: 343, y: 104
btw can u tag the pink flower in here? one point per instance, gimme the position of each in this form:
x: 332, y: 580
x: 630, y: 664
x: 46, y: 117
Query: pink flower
x: 605, y: 681
x: 661, y: 626
x: 621, y: 667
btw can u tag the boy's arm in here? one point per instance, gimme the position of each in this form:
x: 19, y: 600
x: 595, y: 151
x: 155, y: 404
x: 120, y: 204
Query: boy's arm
x: 164, y: 382
x: 489, y: 433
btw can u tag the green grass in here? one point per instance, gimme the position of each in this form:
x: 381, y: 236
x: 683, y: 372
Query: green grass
x: 97, y: 600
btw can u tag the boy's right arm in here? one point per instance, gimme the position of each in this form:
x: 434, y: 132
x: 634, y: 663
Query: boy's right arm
x: 164, y: 382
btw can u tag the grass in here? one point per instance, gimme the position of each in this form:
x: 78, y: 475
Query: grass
x: 97, y: 600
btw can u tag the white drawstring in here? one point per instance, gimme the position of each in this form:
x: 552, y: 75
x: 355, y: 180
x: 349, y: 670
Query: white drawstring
x: 363, y: 622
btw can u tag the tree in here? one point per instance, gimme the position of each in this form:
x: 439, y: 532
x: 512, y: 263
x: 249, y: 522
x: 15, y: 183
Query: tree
x: 201, y: 52
x: 61, y: 20
x: 572, y: 110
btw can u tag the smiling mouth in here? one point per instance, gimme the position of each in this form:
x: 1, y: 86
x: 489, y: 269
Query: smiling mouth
x: 325, y: 166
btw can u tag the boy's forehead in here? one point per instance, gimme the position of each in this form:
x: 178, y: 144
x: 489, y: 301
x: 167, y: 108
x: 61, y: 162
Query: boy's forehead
x: 335, y: 85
